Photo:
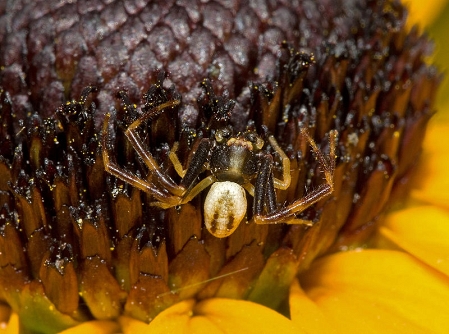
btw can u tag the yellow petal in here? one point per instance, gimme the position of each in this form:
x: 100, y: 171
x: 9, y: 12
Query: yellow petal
x: 433, y: 168
x: 306, y: 314
x: 422, y: 12
x: 99, y: 327
x: 239, y: 316
x: 379, y: 291
x: 422, y: 231
x: 218, y: 315
x: 11, y: 326
x: 130, y: 325
x: 175, y: 319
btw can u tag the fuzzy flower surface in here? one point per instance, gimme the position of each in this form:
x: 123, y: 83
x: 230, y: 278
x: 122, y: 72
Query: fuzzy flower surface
x: 85, y: 250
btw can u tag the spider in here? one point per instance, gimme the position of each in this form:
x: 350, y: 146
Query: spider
x: 238, y: 163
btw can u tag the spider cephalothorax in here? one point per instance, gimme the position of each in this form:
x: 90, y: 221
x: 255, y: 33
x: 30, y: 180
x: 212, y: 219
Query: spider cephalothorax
x: 235, y: 163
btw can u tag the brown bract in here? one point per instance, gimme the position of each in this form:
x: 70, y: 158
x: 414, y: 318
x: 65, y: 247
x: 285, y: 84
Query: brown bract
x: 90, y: 245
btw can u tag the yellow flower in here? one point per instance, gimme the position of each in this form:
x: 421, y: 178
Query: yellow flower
x: 400, y: 285
x: 403, y: 286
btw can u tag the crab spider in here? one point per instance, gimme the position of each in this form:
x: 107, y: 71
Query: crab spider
x: 237, y: 163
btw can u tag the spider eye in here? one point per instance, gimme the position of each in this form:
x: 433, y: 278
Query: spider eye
x: 259, y: 143
x: 222, y: 135
x: 251, y: 137
x: 255, y: 140
x: 219, y: 136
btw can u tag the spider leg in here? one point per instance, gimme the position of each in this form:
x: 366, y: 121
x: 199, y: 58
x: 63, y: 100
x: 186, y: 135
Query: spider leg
x: 114, y: 169
x: 286, y: 178
x: 249, y: 187
x: 328, y: 165
x: 199, y: 157
x: 270, y: 194
x: 196, y: 166
x: 203, y: 184
x: 175, y: 160
x: 264, y: 192
x: 137, y: 143
x: 285, y: 214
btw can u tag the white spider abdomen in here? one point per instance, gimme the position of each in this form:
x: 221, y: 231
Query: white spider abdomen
x: 224, y: 208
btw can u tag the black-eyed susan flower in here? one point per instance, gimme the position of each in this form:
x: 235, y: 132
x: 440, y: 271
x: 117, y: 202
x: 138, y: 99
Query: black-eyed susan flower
x: 82, y: 250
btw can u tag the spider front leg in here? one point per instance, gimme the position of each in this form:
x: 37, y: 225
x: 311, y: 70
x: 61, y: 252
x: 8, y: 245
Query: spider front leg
x: 264, y: 193
x: 286, y: 177
x: 285, y: 215
x: 171, y: 194
x: 137, y: 143
x: 114, y: 169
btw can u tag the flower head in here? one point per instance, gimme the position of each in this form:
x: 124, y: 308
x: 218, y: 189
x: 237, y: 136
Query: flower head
x: 78, y: 244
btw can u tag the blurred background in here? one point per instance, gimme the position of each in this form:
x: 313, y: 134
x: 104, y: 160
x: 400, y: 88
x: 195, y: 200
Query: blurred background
x: 433, y: 17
